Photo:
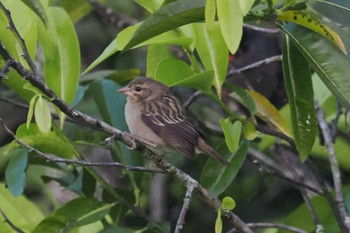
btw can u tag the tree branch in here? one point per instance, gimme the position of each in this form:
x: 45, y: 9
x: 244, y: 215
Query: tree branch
x: 186, y: 205
x: 344, y: 223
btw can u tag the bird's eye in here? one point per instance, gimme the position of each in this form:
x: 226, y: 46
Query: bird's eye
x: 138, y: 88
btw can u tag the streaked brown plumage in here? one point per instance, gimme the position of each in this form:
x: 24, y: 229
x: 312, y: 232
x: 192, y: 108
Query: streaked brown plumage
x: 153, y: 113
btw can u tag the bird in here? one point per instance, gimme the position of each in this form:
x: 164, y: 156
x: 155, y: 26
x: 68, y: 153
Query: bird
x: 155, y: 115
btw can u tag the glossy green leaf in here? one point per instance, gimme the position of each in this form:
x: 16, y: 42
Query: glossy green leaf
x: 210, y: 13
x: 54, y: 142
x: 168, y: 17
x: 78, y: 212
x: 38, y: 8
x: 62, y: 55
x: 20, y: 210
x: 217, y: 178
x: 202, y: 81
x: 155, y: 55
x: 337, y: 10
x: 213, y: 52
x: 118, y: 44
x: 268, y: 113
x: 325, y: 58
x: 245, y: 6
x: 232, y: 133
x: 231, y: 23
x: 15, y: 173
x: 42, y: 115
x: 297, y: 77
x: 172, y: 70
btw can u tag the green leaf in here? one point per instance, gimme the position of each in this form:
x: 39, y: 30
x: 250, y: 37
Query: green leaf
x: 325, y: 58
x: 42, y: 115
x: 202, y: 81
x: 213, y: 52
x: 250, y: 133
x: 78, y: 212
x: 155, y: 55
x: 231, y: 23
x: 210, y: 12
x: 26, y: 24
x: 16, y: 171
x: 232, y: 133
x: 172, y: 70
x: 216, y: 178
x: 228, y: 203
x: 297, y: 77
x: 62, y: 55
x: 245, y: 6
x: 54, y: 142
x: 38, y: 8
x: 24, y: 213
x: 168, y: 17
x: 337, y: 10
x: 119, y: 43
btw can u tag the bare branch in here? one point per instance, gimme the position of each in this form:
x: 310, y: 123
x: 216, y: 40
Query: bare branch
x: 55, y: 159
x: 16, y: 229
x: 192, y: 98
x: 255, y: 65
x: 276, y: 225
x: 186, y: 205
x: 261, y: 29
x: 344, y: 223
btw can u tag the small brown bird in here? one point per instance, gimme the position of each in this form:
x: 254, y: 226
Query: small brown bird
x: 154, y: 114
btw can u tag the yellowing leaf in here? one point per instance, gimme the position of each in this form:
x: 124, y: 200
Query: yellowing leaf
x: 268, y: 113
x: 308, y: 21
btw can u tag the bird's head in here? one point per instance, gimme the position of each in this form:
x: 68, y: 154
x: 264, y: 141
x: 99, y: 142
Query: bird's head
x: 143, y: 89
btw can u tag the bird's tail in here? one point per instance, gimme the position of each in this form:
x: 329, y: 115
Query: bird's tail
x: 205, y: 148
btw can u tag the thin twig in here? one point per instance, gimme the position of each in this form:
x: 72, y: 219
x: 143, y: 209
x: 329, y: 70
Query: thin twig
x: 190, y: 100
x: 344, y: 223
x: 261, y: 29
x: 5, y: 69
x: 16, y: 229
x: 19, y: 38
x: 310, y: 207
x: 186, y: 205
x: 55, y: 159
x: 276, y: 225
x: 255, y: 65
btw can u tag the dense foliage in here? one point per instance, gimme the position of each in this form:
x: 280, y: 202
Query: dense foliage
x: 67, y: 163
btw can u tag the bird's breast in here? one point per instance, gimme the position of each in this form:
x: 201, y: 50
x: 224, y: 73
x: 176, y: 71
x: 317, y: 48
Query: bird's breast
x: 137, y: 126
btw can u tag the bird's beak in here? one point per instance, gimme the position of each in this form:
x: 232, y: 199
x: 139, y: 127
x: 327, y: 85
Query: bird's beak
x: 124, y: 90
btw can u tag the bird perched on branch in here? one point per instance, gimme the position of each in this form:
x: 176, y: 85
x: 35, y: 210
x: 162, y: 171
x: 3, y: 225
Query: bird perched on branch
x: 155, y: 115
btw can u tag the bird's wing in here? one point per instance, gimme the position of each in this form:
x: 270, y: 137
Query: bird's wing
x: 167, y: 118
